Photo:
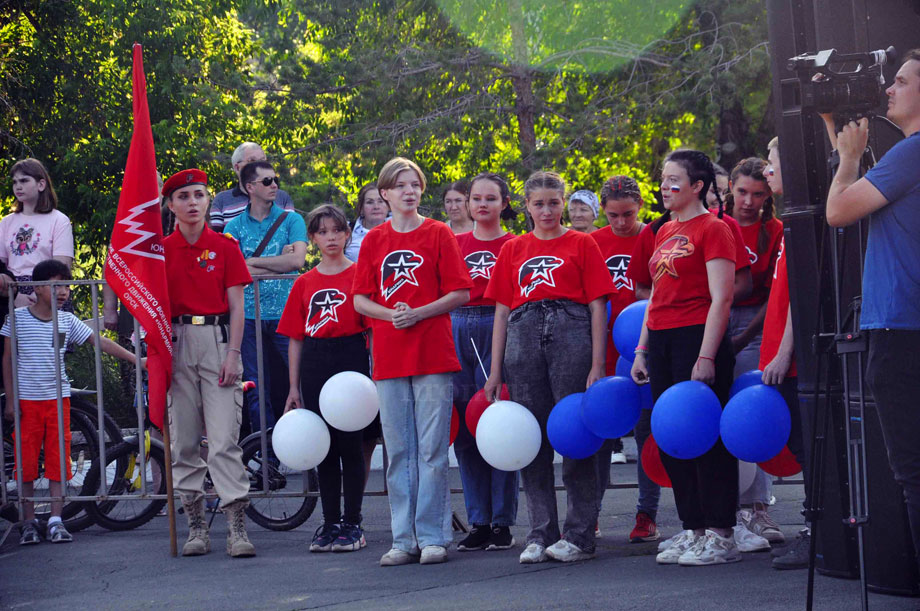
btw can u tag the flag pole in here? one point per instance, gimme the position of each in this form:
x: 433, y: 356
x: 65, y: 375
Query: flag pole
x: 170, y: 498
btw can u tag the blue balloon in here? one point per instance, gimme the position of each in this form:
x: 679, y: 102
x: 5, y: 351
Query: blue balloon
x: 610, y: 408
x: 608, y: 312
x: 627, y: 327
x: 755, y: 424
x: 685, y: 420
x: 567, y: 433
x: 746, y: 380
x: 624, y: 368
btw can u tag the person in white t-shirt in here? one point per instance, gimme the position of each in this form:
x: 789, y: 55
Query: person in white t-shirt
x: 36, y: 371
x: 36, y: 230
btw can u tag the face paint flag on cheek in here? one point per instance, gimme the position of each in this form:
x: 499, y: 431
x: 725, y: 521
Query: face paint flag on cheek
x: 675, y: 189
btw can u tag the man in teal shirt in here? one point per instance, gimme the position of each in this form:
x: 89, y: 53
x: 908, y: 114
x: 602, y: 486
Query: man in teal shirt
x: 284, y: 251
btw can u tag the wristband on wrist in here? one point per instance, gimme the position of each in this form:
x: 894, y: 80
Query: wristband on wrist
x: 708, y: 358
x: 237, y: 350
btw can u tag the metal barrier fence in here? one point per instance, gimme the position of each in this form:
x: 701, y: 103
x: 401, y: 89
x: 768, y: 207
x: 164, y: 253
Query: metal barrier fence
x: 95, y: 323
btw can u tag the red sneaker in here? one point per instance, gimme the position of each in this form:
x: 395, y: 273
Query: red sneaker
x: 645, y: 529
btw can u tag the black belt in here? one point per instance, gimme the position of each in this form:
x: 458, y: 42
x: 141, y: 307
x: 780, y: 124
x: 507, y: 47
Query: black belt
x: 209, y: 319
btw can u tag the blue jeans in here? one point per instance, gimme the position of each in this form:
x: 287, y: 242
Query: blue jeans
x: 415, y: 417
x: 547, y: 358
x: 271, y: 340
x: 649, y: 491
x: 491, y: 495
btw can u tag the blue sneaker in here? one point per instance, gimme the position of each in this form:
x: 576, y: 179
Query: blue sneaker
x: 324, y: 536
x: 350, y: 539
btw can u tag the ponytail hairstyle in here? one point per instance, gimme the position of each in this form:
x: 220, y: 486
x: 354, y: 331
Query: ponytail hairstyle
x: 698, y: 167
x: 621, y: 187
x: 47, y: 198
x: 754, y: 168
x: 508, y: 213
x: 544, y: 180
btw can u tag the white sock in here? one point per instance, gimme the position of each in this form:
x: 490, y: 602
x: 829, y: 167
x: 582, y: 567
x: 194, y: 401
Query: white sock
x: 54, y: 520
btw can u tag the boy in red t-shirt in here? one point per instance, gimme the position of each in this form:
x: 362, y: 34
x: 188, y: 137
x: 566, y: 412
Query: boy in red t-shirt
x: 409, y: 276
x: 621, y: 201
x: 550, y: 287
x: 327, y: 336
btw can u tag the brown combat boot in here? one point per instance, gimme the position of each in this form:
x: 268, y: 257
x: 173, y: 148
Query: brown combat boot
x: 199, y: 543
x: 238, y: 544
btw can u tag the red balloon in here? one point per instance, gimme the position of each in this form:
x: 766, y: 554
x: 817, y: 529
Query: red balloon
x: 783, y: 464
x: 652, y: 465
x: 454, y: 423
x: 478, y: 405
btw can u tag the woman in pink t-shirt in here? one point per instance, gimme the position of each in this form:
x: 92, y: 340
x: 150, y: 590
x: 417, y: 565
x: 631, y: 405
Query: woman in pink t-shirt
x: 36, y: 230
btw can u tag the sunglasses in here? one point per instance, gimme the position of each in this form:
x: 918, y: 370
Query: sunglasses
x: 268, y: 180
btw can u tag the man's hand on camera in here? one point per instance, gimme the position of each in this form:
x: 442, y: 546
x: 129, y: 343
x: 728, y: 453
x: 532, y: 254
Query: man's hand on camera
x: 852, y: 140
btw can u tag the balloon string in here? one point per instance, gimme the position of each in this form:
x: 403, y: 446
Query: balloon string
x: 479, y: 359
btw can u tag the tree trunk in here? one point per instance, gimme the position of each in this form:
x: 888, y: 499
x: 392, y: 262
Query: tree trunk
x: 522, y: 82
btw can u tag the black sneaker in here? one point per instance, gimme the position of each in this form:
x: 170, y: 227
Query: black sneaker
x: 500, y: 538
x: 324, y: 536
x: 29, y: 533
x: 797, y: 555
x: 350, y: 539
x: 477, y: 539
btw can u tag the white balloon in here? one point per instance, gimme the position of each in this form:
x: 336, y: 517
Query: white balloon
x: 508, y: 436
x: 349, y: 401
x: 746, y: 473
x: 300, y: 439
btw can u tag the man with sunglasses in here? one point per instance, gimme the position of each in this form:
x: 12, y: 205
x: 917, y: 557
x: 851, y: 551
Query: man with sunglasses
x: 227, y: 205
x: 273, y: 241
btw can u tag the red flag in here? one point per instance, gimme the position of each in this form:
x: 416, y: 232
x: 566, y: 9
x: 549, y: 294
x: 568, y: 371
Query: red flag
x: 136, y: 266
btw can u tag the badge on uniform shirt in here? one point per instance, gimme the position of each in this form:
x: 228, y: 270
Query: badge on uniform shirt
x: 206, y: 256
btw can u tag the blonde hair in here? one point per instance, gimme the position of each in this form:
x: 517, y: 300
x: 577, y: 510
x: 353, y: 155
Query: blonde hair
x: 392, y: 168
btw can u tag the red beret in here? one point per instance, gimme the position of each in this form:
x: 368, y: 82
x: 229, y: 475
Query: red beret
x: 193, y: 176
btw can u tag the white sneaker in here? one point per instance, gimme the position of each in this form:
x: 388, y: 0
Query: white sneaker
x: 761, y: 523
x: 679, y: 544
x: 669, y: 542
x: 711, y: 549
x: 433, y: 554
x: 618, y: 458
x: 748, y: 541
x: 398, y: 557
x: 566, y: 551
x: 533, y: 554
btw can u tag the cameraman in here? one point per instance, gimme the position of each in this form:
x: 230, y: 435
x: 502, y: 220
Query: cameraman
x: 890, y: 195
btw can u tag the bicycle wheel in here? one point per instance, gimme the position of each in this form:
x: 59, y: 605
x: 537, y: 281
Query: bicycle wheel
x: 112, y: 430
x: 272, y: 511
x: 125, y: 514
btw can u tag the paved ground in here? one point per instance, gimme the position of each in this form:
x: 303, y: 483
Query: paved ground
x: 133, y: 570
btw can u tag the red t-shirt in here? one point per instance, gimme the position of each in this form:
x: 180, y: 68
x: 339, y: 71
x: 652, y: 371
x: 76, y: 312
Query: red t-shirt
x: 774, y: 323
x: 416, y: 268
x: 678, y: 267
x: 638, y: 266
x: 617, y: 253
x: 321, y: 305
x: 530, y: 269
x: 199, y: 274
x: 480, y: 257
x: 762, y: 265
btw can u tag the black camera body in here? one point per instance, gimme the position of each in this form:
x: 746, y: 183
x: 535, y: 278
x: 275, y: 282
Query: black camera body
x: 850, y: 85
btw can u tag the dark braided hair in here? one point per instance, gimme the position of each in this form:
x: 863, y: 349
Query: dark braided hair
x: 754, y: 167
x: 508, y: 213
x: 620, y: 187
x: 699, y: 168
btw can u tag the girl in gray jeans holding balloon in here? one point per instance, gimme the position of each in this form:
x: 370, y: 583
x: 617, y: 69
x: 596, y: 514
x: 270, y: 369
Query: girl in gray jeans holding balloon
x: 550, y: 287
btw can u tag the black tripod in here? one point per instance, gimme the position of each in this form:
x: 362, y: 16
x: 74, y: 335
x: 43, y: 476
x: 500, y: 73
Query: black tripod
x: 839, y: 348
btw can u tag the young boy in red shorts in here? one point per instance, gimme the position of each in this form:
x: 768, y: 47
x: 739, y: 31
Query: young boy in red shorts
x: 37, y: 387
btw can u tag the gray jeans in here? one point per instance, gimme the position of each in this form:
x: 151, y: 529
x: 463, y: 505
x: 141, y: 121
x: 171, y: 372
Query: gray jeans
x: 548, y: 357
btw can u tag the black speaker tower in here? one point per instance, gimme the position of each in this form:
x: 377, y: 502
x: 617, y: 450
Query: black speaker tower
x: 850, y: 26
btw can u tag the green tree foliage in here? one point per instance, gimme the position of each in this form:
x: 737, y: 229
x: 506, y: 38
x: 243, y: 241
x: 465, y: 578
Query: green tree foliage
x: 333, y: 89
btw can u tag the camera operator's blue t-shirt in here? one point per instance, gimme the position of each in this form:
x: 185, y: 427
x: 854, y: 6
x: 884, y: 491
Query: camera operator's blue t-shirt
x: 891, y: 277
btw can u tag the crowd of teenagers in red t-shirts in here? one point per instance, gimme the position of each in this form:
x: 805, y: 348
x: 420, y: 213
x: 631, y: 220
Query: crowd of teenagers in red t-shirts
x: 435, y: 312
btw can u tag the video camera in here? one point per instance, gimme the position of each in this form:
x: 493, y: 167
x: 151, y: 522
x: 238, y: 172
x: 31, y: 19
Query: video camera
x: 849, y: 85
